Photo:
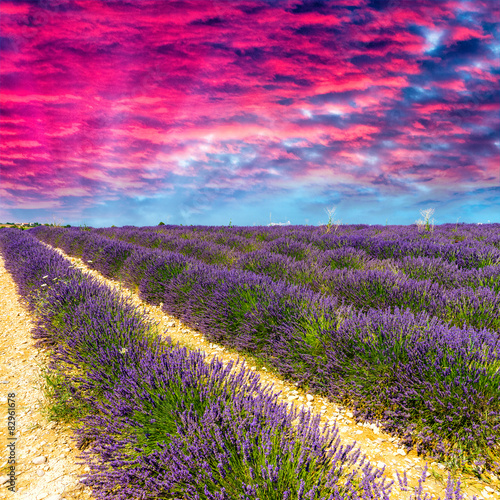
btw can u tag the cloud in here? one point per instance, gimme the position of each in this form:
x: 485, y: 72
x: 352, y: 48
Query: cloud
x: 109, y: 101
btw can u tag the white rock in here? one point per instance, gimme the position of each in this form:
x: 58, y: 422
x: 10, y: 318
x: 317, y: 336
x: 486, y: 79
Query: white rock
x: 40, y: 473
x: 349, y: 414
x: 489, y: 489
x: 39, y: 460
x: 309, y: 397
x: 401, y: 452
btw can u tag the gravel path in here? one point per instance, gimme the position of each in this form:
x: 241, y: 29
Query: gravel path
x: 21, y: 365
x: 46, y: 458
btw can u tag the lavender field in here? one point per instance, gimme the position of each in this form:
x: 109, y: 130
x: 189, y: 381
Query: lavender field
x: 401, y: 324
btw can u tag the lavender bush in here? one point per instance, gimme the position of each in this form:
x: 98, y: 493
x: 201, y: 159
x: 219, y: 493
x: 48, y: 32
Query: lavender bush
x: 161, y: 421
x: 427, y: 375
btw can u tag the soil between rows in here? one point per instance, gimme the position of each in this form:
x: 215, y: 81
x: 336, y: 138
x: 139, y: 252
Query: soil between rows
x: 21, y: 373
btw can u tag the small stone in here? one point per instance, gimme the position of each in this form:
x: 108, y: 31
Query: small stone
x: 39, y: 460
x: 349, y: 414
x: 292, y: 397
x: 381, y: 465
x: 40, y: 473
x: 54, y: 496
x: 309, y: 397
x: 401, y: 452
x: 489, y: 489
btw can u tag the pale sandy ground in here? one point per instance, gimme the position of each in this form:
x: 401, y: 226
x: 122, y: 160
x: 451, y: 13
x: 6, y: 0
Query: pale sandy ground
x: 21, y: 364
x: 20, y: 373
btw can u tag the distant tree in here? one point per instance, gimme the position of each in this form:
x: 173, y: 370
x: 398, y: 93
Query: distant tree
x: 67, y: 225
x: 161, y: 224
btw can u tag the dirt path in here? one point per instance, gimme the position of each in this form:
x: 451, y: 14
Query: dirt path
x: 21, y: 365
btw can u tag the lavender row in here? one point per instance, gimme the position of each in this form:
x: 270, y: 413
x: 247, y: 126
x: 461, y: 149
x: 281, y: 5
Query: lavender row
x: 469, y: 246
x: 160, y: 421
x: 434, y: 385
x: 374, y: 287
x: 369, y: 286
x: 357, y: 249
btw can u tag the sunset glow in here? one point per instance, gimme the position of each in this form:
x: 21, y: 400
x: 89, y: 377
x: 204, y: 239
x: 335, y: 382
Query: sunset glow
x: 202, y: 112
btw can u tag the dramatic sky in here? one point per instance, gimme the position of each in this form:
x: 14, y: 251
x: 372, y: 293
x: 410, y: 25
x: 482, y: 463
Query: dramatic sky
x: 206, y: 111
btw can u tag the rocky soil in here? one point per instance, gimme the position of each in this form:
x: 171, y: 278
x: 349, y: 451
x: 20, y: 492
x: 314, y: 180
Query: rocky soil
x: 46, y: 458
x: 57, y: 477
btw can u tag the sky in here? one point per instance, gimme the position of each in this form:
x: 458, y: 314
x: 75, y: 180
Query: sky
x: 213, y: 112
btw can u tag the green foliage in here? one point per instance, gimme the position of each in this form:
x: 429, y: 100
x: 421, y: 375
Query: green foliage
x: 162, y: 224
x: 61, y: 403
